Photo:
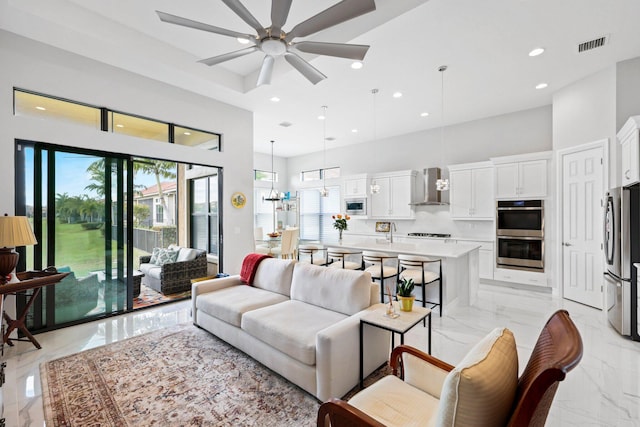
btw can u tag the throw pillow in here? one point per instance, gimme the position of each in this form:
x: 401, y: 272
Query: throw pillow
x: 166, y: 256
x: 480, y: 390
x: 154, y: 256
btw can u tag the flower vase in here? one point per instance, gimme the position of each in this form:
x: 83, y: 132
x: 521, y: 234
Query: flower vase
x: 340, y: 236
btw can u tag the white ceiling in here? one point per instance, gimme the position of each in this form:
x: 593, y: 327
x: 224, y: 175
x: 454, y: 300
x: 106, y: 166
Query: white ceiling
x: 485, y: 44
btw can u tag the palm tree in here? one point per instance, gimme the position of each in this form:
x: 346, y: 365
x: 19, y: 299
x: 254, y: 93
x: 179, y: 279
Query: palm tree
x: 160, y: 169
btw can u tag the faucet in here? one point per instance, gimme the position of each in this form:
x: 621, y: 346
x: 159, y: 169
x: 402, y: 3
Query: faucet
x: 392, y: 228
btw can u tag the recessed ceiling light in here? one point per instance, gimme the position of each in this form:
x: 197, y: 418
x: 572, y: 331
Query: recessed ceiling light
x: 397, y: 95
x: 119, y: 126
x: 354, y: 130
x: 541, y: 85
x: 537, y: 51
x: 40, y: 108
x: 275, y: 99
x: 242, y: 40
x: 357, y: 65
x: 187, y: 133
x: 321, y: 117
x: 425, y: 114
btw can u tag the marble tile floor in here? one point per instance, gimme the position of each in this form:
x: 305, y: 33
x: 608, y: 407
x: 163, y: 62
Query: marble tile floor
x: 603, y: 390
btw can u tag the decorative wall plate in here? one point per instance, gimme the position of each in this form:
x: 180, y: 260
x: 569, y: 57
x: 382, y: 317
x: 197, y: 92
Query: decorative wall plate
x: 238, y: 200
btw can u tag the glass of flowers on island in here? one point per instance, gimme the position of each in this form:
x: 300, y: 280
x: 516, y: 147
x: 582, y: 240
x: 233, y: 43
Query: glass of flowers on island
x: 340, y: 224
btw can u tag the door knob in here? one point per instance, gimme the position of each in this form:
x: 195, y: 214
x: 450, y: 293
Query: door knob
x: 566, y: 244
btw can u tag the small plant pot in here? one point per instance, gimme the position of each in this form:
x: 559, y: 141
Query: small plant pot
x: 406, y: 303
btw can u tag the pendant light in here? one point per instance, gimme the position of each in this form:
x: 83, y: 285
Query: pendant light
x: 273, y: 196
x: 442, y: 184
x: 375, y: 188
x: 324, y: 192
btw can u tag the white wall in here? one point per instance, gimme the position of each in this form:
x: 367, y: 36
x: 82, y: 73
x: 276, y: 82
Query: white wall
x: 508, y: 134
x: 34, y: 66
x: 627, y: 90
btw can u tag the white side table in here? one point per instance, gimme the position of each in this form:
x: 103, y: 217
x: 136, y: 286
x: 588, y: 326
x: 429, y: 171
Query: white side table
x: 399, y: 325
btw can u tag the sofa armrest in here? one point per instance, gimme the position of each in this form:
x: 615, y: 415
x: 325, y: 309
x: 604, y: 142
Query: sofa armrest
x: 144, y: 259
x: 211, y: 285
x: 338, y: 413
x: 419, y: 369
x: 338, y: 355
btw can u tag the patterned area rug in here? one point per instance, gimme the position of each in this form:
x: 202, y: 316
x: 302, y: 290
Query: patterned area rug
x: 149, y: 297
x: 180, y: 376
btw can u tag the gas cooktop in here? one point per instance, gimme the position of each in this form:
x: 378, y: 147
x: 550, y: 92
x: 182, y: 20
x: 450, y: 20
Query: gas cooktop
x: 438, y: 235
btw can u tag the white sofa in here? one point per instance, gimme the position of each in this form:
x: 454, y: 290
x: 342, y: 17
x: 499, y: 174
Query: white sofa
x: 300, y: 320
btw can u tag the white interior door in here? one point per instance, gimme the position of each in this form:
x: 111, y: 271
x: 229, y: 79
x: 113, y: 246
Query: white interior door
x: 582, y: 193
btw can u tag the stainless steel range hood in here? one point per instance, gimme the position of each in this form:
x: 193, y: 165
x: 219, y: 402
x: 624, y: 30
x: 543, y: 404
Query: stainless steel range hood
x: 431, y: 195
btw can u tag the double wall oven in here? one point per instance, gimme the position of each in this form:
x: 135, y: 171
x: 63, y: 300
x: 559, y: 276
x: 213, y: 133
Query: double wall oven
x: 520, y: 234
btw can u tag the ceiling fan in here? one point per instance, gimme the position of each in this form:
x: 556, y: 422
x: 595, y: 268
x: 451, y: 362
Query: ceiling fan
x: 274, y: 42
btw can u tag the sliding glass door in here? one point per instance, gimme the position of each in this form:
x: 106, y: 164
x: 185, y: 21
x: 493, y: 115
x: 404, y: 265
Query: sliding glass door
x: 79, y: 204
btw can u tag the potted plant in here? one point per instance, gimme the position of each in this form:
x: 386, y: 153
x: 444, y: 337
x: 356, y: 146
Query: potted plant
x: 403, y: 292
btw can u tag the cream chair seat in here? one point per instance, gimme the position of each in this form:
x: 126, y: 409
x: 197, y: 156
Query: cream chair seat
x: 343, y: 258
x: 258, y: 238
x: 416, y: 267
x: 313, y: 254
x: 381, y: 271
x: 483, y: 390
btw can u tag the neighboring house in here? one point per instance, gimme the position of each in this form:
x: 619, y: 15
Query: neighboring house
x: 161, y: 214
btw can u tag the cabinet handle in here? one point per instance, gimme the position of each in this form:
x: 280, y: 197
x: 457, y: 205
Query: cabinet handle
x: 626, y: 174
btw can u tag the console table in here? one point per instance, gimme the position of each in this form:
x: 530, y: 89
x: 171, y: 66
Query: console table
x: 29, y: 280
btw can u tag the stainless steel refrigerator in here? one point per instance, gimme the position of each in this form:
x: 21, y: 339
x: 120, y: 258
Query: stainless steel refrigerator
x: 622, y: 249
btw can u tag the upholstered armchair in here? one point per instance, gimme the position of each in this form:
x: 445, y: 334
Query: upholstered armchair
x: 74, y: 297
x: 482, y: 390
x: 174, y: 277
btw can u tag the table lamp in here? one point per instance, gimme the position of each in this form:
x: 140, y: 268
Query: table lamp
x: 14, y: 231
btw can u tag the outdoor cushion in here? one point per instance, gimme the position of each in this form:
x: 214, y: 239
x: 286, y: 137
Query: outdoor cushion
x: 290, y: 327
x: 151, y: 270
x: 411, y: 406
x: 186, y: 254
x: 480, y: 390
x: 229, y: 304
x: 344, y: 291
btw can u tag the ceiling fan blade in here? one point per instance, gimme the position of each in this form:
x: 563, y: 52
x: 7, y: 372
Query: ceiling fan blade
x: 245, y: 15
x: 279, y: 14
x: 341, y: 50
x: 228, y: 56
x: 173, y: 19
x: 266, y: 71
x: 306, y: 69
x: 336, y: 14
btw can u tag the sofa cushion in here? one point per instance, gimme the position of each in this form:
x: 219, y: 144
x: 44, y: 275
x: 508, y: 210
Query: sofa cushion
x: 344, y: 291
x: 274, y: 275
x: 151, y: 270
x: 290, y: 327
x: 411, y: 406
x: 163, y: 256
x: 229, y: 304
x: 186, y: 254
x: 480, y: 390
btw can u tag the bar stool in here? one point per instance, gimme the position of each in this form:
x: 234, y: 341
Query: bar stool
x: 378, y: 270
x: 416, y: 267
x: 338, y: 258
x: 312, y: 251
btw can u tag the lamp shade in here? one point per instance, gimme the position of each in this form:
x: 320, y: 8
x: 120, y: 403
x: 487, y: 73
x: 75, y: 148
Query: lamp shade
x: 16, y: 231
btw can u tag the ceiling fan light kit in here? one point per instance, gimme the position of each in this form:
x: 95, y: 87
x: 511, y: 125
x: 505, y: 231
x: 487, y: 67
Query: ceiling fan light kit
x: 274, y: 42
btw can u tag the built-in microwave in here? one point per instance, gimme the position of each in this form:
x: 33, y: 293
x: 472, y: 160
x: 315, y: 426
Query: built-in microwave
x: 355, y: 205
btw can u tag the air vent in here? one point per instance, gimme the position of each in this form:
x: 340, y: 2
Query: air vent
x: 286, y: 124
x: 592, y: 44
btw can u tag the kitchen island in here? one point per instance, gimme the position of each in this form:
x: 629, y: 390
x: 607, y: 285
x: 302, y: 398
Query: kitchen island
x: 460, y: 263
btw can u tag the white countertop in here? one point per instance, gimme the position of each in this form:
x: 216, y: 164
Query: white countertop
x: 423, y: 247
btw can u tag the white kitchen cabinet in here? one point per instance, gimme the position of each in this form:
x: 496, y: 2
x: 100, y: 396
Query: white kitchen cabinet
x: 520, y: 276
x: 392, y: 201
x: 630, y: 151
x: 355, y: 186
x: 471, y: 191
x: 521, y: 177
x: 486, y: 259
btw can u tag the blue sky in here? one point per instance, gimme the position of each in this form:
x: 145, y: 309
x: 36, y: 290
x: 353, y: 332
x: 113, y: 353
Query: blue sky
x: 72, y: 176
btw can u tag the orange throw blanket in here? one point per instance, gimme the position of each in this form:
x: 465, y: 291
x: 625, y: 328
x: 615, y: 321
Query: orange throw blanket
x: 250, y: 266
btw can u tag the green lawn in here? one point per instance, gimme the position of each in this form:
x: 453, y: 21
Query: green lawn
x: 82, y: 250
